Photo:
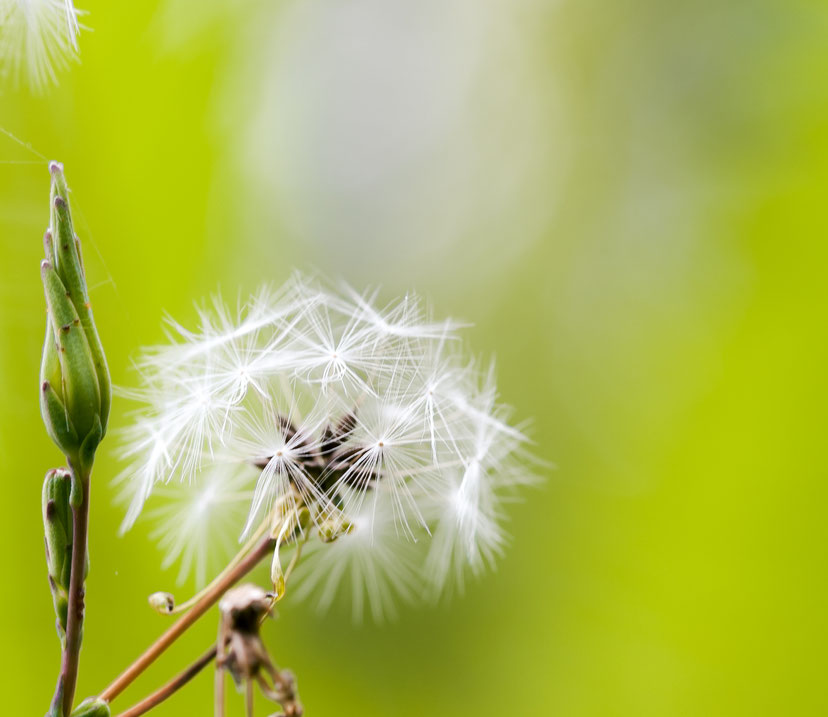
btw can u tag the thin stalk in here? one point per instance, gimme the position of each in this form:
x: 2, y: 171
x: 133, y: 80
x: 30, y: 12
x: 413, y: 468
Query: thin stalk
x: 237, y: 558
x: 248, y: 699
x: 175, y: 684
x: 207, y: 600
x: 219, y: 692
x: 67, y: 680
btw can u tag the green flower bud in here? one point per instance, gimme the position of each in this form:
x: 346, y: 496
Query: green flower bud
x: 330, y: 530
x: 75, y: 385
x: 303, y: 519
x: 57, y: 526
x: 92, y: 707
x: 57, y: 523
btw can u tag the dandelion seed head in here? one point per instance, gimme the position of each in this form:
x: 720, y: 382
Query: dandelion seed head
x: 371, y: 417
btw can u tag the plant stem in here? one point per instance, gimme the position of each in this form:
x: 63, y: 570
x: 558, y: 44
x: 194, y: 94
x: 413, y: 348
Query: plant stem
x: 176, y: 683
x: 248, y: 699
x: 237, y: 558
x: 161, y: 694
x: 67, y: 680
x: 219, y: 692
x: 207, y: 600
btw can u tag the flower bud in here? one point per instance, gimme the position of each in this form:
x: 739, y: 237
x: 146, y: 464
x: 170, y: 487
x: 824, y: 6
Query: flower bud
x: 58, y: 529
x: 303, y: 520
x: 163, y: 603
x: 57, y: 523
x: 92, y: 707
x: 75, y: 385
x: 331, y: 529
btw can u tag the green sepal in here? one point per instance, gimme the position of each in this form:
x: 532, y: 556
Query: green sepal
x: 81, y: 392
x: 49, y: 246
x: 92, y: 707
x: 50, y: 363
x: 67, y: 259
x: 96, y: 349
x: 55, y: 417
x: 61, y: 602
x: 87, y: 450
x: 99, y: 361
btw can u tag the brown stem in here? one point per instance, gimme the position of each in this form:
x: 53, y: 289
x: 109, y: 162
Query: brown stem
x: 176, y: 683
x: 65, y: 690
x: 248, y: 699
x: 265, y: 546
x: 237, y: 558
x: 219, y: 692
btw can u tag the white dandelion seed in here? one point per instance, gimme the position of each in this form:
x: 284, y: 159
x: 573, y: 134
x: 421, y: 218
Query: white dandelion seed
x: 38, y: 38
x: 286, y: 450
x: 373, y: 565
x: 196, y: 524
x: 388, y: 452
x: 372, y: 419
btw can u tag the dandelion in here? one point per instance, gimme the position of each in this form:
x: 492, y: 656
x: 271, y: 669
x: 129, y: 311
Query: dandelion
x: 369, y: 420
x: 37, y: 38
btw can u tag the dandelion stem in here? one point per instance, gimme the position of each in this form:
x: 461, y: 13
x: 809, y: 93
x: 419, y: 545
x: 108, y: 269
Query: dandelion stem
x: 248, y: 699
x: 219, y: 692
x: 264, y: 547
x: 65, y: 690
x: 237, y: 558
x: 175, y: 684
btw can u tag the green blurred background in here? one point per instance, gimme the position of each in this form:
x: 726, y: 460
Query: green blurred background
x: 627, y: 199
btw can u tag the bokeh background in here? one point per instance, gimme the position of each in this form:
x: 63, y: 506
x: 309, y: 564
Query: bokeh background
x: 629, y: 202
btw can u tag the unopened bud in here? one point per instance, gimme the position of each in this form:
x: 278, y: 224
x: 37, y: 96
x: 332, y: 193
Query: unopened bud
x: 161, y: 602
x: 57, y: 524
x: 57, y: 527
x: 303, y: 519
x: 74, y: 381
x: 330, y: 530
